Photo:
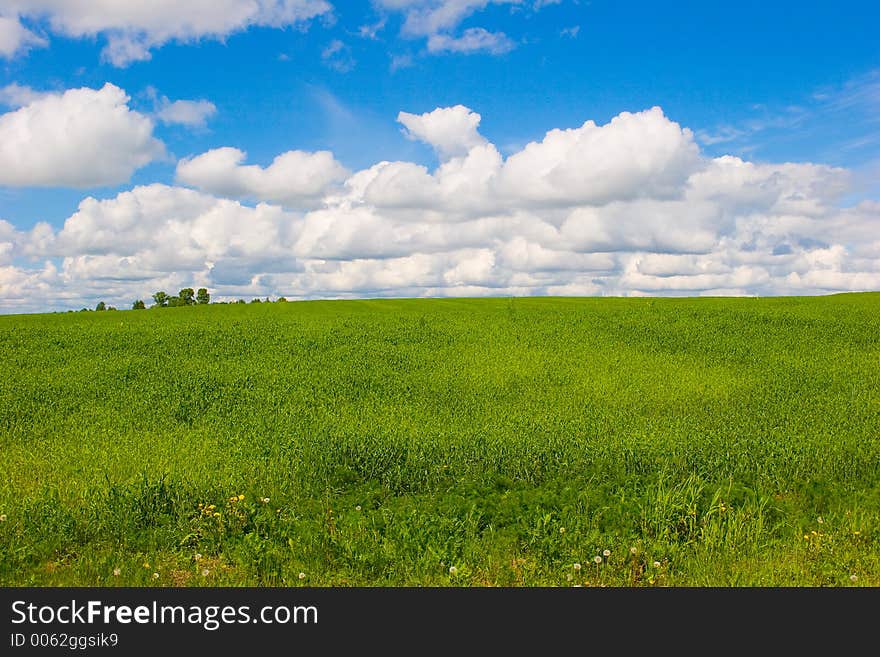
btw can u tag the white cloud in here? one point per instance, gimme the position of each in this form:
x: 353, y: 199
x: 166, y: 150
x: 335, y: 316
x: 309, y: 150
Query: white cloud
x: 626, y: 208
x: 78, y: 138
x: 472, y: 40
x: 337, y: 55
x: 191, y: 113
x: 426, y: 17
x: 16, y: 95
x: 294, y: 178
x: 132, y: 29
x: 438, y: 21
x: 634, y: 155
x: 15, y: 38
x: 451, y: 131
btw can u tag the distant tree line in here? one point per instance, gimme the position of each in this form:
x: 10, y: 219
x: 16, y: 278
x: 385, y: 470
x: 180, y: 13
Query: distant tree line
x: 186, y: 297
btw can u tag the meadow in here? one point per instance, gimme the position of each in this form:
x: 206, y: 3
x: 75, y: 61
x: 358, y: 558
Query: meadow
x: 444, y: 442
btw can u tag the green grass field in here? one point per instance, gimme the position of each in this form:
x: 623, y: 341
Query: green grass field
x: 722, y: 442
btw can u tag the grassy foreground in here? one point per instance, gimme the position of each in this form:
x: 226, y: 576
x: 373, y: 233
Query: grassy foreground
x: 444, y: 442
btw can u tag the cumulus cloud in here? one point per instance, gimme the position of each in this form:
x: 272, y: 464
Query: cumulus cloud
x: 78, y: 138
x: 631, y: 207
x: 132, y: 29
x: 294, y: 178
x: 635, y: 154
x: 450, y: 130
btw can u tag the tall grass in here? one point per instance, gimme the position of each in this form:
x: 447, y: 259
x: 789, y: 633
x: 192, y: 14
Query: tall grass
x: 444, y: 442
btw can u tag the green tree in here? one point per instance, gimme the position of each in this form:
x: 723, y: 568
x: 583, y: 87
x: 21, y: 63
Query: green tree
x: 161, y: 299
x: 281, y: 299
x: 101, y: 306
x: 187, y: 296
x: 202, y: 296
x: 138, y: 305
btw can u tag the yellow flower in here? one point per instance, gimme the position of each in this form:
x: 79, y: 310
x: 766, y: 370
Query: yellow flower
x: 240, y: 498
x: 216, y: 514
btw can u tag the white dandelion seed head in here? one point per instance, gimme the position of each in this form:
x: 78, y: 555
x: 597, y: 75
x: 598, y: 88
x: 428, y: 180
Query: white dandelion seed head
x: 357, y: 508
x: 607, y: 553
x: 117, y: 572
x: 597, y: 559
x: 2, y: 517
x: 820, y: 520
x: 568, y: 577
x: 577, y: 566
x: 656, y: 564
x: 453, y: 570
x: 198, y: 556
x: 264, y: 500
x: 633, y: 550
x: 853, y: 578
x: 205, y: 572
x: 155, y: 575
x: 302, y: 575
x: 562, y: 530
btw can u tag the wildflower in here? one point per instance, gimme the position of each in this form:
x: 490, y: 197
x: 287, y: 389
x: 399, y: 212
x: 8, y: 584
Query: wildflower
x: 198, y: 556
x: 240, y: 498
x: 264, y: 500
x: 853, y: 578
x: 856, y: 533
x: 597, y: 559
x: 205, y: 572
x: 577, y: 566
x: 3, y: 517
x: 357, y: 508
x: 607, y: 553
x: 216, y: 514
x: 155, y: 575
x: 146, y: 565
x: 453, y: 570
x: 302, y: 575
x: 656, y: 564
x: 562, y: 530
x: 568, y: 577
x: 117, y: 572
x: 633, y: 550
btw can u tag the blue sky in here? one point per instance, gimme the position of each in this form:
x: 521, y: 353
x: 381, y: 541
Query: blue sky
x: 769, y: 83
